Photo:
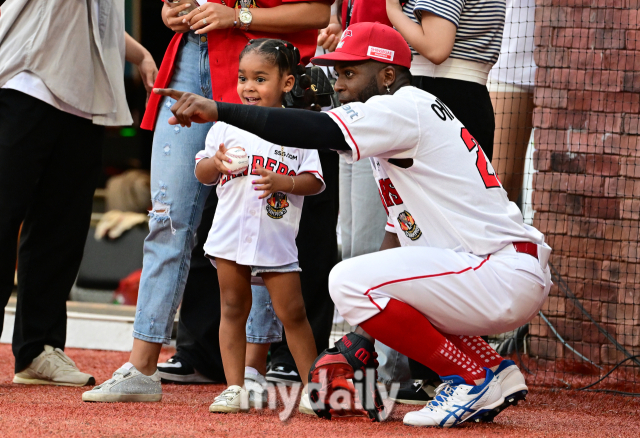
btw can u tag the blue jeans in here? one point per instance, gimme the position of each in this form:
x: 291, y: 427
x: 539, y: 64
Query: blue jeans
x: 178, y: 201
x: 263, y: 326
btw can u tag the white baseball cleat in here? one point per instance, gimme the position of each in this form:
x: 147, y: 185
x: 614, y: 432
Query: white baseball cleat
x: 514, y: 389
x: 457, y: 402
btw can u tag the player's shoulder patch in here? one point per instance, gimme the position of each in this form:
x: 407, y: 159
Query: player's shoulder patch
x: 351, y: 112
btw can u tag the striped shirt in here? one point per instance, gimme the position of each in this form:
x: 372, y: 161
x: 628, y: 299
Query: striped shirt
x: 480, y: 24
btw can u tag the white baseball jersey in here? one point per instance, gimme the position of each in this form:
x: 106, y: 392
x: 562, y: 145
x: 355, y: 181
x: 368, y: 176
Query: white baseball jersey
x: 248, y: 230
x: 449, y: 197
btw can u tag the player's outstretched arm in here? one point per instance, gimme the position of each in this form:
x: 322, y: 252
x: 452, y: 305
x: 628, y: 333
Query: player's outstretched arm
x: 287, y: 127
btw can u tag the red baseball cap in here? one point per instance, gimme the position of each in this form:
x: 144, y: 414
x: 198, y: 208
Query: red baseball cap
x: 364, y: 41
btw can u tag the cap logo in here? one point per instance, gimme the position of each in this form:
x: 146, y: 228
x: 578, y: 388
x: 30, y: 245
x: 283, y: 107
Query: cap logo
x: 380, y: 53
x: 345, y: 34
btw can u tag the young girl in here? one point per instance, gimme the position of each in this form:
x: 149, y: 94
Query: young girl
x: 253, y: 233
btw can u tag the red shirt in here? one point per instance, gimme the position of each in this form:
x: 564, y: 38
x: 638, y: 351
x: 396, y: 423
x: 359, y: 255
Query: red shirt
x: 225, y: 46
x: 366, y: 11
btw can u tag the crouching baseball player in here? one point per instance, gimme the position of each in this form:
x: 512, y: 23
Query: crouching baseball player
x: 457, y: 261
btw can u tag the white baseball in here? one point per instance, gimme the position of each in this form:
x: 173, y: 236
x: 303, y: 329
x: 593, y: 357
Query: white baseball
x: 239, y: 160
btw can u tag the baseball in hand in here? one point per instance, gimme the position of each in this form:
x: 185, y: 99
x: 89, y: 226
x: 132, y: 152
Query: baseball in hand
x: 239, y: 160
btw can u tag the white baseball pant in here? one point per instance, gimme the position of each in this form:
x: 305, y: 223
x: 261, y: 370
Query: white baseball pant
x: 459, y: 293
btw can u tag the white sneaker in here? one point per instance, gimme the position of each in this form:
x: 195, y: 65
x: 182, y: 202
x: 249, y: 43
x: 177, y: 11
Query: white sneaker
x: 53, y: 367
x: 457, y: 402
x: 256, y: 386
x: 514, y: 389
x: 232, y: 400
x: 305, y: 404
x: 127, y: 385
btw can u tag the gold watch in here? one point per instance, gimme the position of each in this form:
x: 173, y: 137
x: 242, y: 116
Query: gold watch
x: 245, y: 18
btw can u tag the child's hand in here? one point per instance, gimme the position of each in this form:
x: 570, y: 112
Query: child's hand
x: 271, y: 182
x: 218, y: 159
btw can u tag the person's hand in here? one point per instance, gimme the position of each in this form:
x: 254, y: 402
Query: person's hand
x: 170, y: 16
x: 189, y: 108
x: 271, y: 182
x: 148, y: 72
x: 329, y: 37
x: 219, y: 157
x: 210, y: 16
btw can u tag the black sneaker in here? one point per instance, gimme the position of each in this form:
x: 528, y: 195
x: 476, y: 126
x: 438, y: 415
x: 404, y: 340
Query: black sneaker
x: 283, y: 373
x: 176, y: 370
x: 419, y: 392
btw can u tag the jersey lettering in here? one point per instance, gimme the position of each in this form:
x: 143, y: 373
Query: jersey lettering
x: 257, y: 161
x: 389, y: 194
x: 282, y: 169
x: 227, y: 178
x: 441, y: 110
x: 271, y: 164
x: 489, y: 178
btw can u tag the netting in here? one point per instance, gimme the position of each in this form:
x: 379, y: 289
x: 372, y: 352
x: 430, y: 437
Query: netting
x: 566, y: 97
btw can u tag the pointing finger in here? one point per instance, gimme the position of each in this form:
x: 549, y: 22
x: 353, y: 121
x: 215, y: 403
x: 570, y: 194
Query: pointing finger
x: 175, y: 94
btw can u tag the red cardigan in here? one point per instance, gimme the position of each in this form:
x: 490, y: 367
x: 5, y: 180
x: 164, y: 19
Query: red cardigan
x: 225, y: 46
x: 366, y: 11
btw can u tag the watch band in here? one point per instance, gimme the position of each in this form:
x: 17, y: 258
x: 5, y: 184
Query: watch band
x: 244, y: 8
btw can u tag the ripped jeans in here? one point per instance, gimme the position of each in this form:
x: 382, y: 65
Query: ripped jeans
x: 178, y: 202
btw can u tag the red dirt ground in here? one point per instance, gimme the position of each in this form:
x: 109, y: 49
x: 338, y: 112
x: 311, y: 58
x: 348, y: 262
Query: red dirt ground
x: 59, y: 411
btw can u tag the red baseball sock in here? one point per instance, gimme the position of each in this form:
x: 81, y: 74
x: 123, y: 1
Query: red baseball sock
x: 407, y: 331
x: 476, y: 348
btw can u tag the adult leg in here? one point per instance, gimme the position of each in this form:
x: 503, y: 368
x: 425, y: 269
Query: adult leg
x: 317, y: 250
x: 471, y: 104
x: 367, y: 231
x: 457, y: 293
x: 513, y: 129
x: 178, y: 201
x: 411, y: 306
x: 53, y: 238
x: 47, y: 179
x: 27, y: 137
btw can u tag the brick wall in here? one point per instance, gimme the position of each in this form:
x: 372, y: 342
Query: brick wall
x: 587, y: 188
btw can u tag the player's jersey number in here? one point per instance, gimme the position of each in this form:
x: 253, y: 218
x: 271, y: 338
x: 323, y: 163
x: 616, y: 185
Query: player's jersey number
x: 490, y: 179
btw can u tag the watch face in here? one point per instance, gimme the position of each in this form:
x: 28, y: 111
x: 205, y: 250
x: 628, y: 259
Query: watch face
x: 245, y: 16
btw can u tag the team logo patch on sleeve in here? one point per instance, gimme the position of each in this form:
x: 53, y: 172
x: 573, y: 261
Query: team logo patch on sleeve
x: 277, y: 205
x: 408, y: 225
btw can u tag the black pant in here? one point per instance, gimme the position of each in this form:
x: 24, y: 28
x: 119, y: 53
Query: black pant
x: 470, y: 103
x: 49, y: 165
x: 198, y: 342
